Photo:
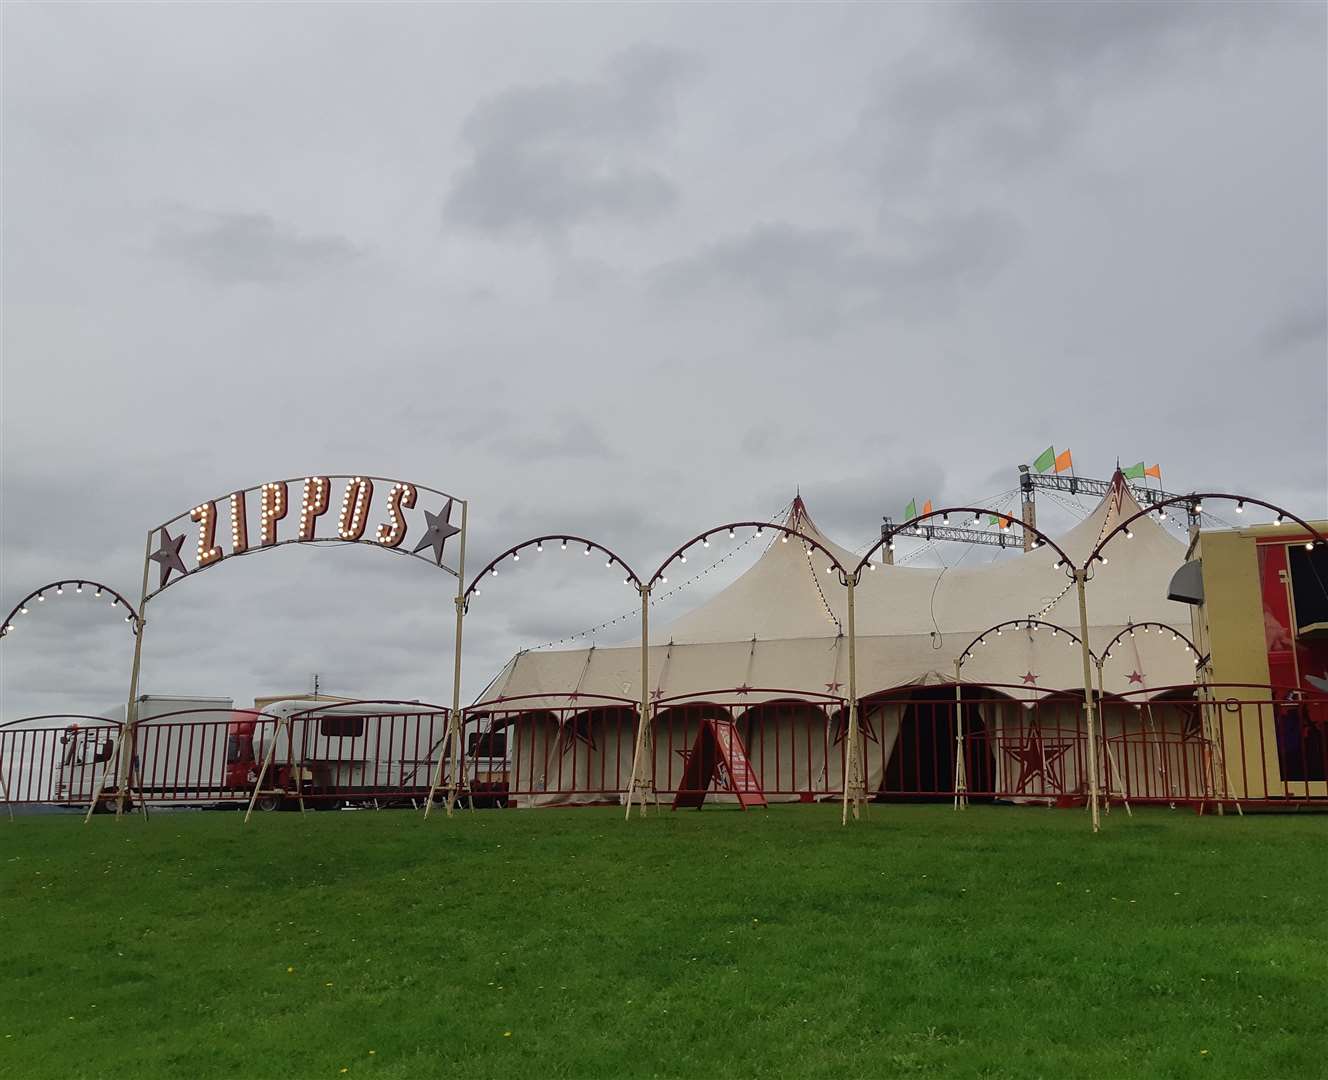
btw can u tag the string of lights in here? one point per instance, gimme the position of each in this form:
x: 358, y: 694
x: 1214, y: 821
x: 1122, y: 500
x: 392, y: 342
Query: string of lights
x: 655, y: 598
x: 57, y: 588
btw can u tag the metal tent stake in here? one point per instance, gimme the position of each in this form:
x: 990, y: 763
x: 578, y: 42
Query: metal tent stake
x: 1080, y: 578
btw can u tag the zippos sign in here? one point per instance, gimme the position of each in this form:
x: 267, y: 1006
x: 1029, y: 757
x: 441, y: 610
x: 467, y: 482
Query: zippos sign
x: 408, y: 518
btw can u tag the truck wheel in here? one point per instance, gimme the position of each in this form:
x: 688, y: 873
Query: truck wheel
x: 268, y: 803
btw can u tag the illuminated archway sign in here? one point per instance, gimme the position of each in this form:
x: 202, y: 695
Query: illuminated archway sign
x: 398, y: 516
x: 395, y: 515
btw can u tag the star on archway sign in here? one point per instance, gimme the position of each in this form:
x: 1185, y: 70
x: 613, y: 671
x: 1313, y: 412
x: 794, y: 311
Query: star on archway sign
x: 439, y: 529
x: 168, y: 555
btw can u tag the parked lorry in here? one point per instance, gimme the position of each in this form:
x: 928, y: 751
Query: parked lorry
x: 329, y: 755
x: 179, y: 753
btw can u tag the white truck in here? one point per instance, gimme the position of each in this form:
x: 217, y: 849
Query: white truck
x: 179, y: 756
x: 330, y: 755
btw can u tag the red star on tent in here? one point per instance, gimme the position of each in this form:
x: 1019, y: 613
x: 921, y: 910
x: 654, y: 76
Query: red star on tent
x: 656, y: 694
x: 1030, y: 678
x: 577, y: 728
x: 864, y: 726
x: 833, y: 687
x: 1037, y: 757
x: 743, y: 690
x: 1136, y: 677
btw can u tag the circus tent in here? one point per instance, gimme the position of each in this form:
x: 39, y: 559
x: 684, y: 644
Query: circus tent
x: 770, y: 652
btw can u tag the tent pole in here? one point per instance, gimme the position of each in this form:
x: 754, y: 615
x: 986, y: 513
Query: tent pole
x: 853, y: 779
x: 639, y: 782
x: 961, y: 770
x: 131, y: 709
x: 1080, y: 579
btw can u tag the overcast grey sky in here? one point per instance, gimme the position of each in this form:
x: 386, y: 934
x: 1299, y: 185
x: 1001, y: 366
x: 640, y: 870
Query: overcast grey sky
x: 624, y: 271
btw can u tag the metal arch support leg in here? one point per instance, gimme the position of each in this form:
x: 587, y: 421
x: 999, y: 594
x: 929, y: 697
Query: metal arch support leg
x: 112, y: 769
x: 641, y: 784
x: 262, y: 772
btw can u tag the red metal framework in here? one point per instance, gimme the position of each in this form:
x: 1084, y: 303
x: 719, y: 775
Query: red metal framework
x: 1198, y: 745
x: 57, y: 588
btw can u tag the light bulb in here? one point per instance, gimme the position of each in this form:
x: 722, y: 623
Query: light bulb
x: 516, y: 557
x: 682, y: 558
x: 59, y: 590
x: 41, y: 599
x: 493, y: 570
x: 731, y: 534
x: 1309, y: 545
x: 1279, y: 520
x: 1240, y: 506
x: 23, y: 610
x: 871, y: 566
x: 705, y: 542
x: 98, y: 592
x: 539, y: 547
x: 564, y: 545
x: 587, y: 551
x: 1102, y: 559
x: 784, y: 539
x: 1129, y: 535
x: 664, y: 579
x: 79, y: 588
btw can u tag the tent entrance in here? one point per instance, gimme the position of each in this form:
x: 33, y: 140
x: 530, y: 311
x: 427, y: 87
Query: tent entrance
x: 921, y: 767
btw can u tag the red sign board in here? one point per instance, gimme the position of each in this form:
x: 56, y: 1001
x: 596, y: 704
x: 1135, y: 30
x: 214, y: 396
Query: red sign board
x: 719, y: 758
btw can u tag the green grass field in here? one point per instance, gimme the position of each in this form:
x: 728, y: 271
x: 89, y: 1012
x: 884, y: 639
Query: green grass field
x: 993, y: 943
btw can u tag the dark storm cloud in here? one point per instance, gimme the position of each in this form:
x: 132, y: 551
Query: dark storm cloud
x: 815, y: 279
x: 547, y: 157
x: 231, y: 248
x: 1016, y: 82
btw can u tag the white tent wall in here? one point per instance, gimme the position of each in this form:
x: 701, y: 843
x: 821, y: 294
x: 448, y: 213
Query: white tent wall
x: 576, y: 760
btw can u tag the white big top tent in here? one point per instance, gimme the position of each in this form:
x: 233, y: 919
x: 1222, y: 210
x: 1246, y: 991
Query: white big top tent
x: 770, y: 652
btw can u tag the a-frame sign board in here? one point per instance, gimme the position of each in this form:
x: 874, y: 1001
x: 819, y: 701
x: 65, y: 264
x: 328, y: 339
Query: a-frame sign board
x: 718, y: 756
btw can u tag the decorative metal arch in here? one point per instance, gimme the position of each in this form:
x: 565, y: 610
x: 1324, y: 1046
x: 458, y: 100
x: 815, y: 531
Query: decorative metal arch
x: 1199, y: 659
x: 703, y: 538
x: 203, y: 516
x: 21, y: 608
x: 1195, y: 502
x: 977, y: 511
x: 1030, y: 624
x: 537, y: 542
